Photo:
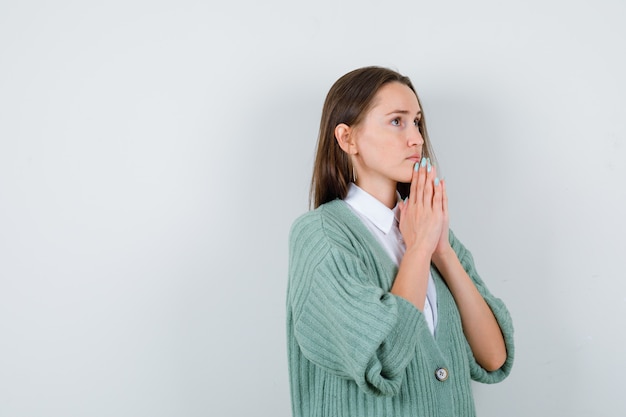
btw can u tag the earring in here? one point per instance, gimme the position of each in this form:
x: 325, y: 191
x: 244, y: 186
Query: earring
x: 353, y: 174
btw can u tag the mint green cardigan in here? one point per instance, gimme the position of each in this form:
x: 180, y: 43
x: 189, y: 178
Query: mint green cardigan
x: 355, y: 349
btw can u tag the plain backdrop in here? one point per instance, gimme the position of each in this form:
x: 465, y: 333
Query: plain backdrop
x: 153, y: 155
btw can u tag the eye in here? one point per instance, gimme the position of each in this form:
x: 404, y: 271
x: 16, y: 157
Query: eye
x: 396, y: 121
x: 416, y: 122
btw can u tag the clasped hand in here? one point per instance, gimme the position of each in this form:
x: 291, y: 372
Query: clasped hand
x: 424, y: 218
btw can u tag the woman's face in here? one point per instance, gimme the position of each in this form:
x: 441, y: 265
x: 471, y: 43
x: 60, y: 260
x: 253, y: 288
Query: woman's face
x: 388, y: 142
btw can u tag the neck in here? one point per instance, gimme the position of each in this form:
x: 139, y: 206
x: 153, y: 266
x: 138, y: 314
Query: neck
x: 385, y: 194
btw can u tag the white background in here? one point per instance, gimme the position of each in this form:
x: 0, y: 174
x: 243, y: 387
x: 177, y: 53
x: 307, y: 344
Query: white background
x: 153, y: 155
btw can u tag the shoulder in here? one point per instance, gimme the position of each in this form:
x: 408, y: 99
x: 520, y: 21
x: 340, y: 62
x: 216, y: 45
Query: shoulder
x: 327, y: 221
x: 332, y: 227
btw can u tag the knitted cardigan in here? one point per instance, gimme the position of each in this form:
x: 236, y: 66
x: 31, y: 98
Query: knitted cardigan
x: 355, y: 349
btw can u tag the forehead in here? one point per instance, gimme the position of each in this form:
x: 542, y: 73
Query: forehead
x: 396, y: 96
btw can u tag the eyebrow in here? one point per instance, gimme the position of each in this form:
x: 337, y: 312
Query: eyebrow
x: 419, y: 113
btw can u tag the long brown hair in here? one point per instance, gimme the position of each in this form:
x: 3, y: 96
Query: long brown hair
x: 348, y: 101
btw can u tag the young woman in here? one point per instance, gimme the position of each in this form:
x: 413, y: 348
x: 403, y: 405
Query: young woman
x: 386, y: 314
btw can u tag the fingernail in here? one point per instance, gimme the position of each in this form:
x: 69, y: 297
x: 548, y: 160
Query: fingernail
x: 416, y: 166
x: 423, y: 162
x: 436, y: 181
x: 430, y: 167
x: 406, y: 198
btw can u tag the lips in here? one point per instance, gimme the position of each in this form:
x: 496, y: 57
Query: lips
x: 415, y: 158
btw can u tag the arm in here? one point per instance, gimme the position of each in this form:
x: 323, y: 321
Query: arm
x: 341, y: 320
x: 424, y: 224
x: 499, y: 311
x: 479, y: 324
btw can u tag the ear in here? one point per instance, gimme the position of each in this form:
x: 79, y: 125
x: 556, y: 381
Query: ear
x: 345, y: 139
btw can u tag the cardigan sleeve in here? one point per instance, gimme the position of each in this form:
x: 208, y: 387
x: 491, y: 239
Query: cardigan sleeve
x: 500, y: 312
x: 343, y: 323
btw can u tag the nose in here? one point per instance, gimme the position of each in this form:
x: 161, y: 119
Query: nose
x: 415, y: 137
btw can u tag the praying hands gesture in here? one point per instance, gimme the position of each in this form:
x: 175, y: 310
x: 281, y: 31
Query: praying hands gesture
x: 424, y: 224
x: 424, y: 214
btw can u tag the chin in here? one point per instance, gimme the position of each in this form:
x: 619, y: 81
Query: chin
x: 405, y: 178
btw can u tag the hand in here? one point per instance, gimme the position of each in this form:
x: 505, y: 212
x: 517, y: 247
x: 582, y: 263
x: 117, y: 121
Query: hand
x: 423, y: 219
x: 444, y: 243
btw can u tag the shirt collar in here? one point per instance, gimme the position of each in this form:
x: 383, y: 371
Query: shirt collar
x: 367, y: 205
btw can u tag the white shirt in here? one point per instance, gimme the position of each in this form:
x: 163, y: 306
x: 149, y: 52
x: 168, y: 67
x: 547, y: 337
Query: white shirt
x: 383, y: 223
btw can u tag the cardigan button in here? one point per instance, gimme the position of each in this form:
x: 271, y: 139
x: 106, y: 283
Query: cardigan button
x: 441, y: 374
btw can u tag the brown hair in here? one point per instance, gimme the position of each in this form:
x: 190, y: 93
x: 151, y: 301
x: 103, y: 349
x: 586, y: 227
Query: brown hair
x: 348, y: 101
